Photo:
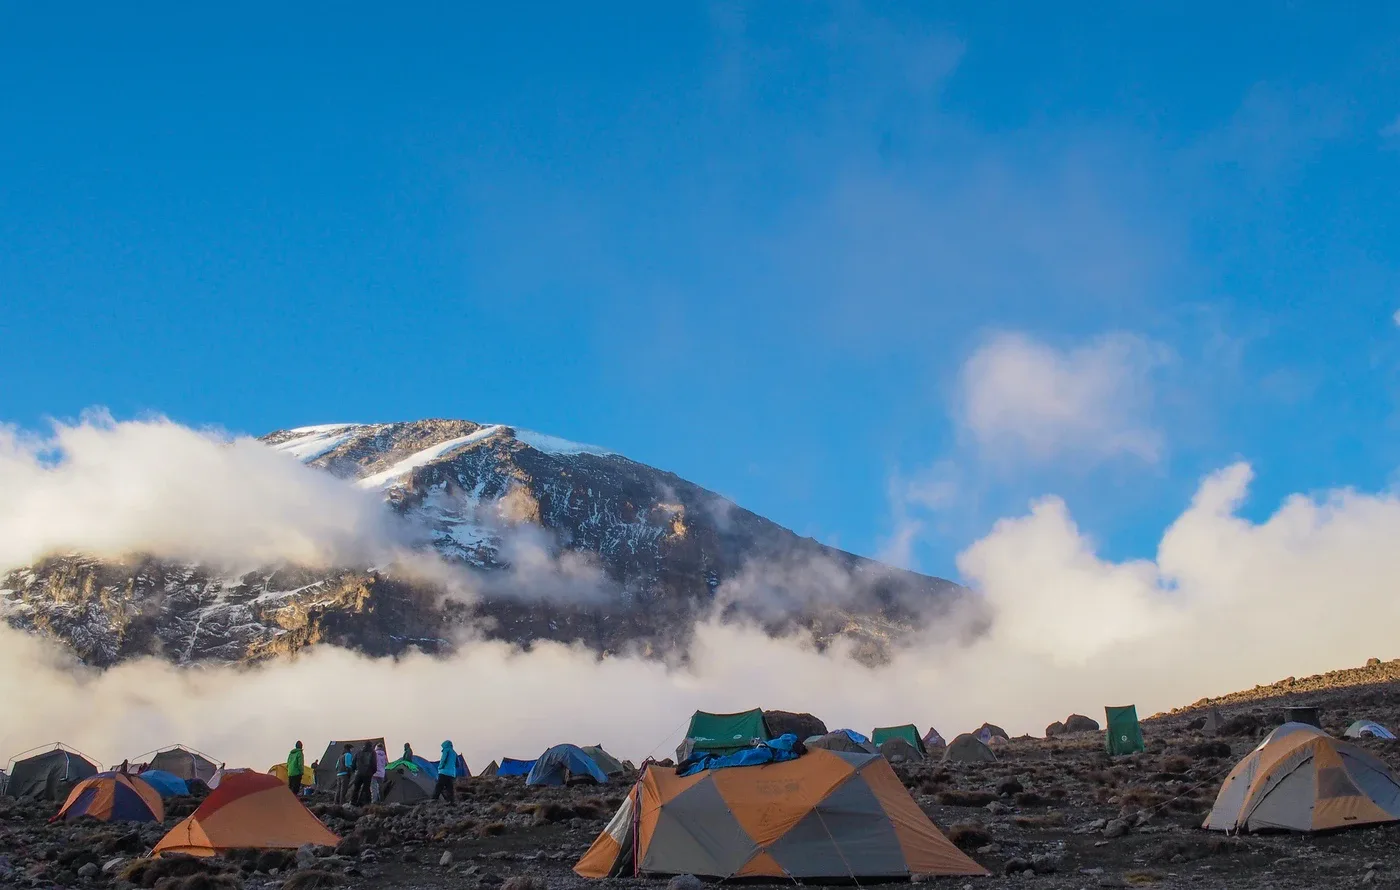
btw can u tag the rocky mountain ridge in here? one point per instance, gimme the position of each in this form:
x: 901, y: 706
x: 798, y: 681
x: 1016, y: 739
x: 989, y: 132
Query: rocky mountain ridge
x: 561, y: 541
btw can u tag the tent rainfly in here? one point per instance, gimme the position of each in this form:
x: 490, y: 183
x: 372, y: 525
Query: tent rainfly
x: 722, y: 733
x: 1301, y: 779
x: 826, y: 815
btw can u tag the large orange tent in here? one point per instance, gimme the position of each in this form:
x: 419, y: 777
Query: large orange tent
x: 113, y: 797
x: 1301, y: 779
x: 828, y: 814
x: 247, y: 810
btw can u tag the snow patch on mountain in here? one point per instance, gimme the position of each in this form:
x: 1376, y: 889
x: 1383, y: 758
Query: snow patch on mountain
x: 555, y: 445
x: 426, y: 456
x: 314, y: 442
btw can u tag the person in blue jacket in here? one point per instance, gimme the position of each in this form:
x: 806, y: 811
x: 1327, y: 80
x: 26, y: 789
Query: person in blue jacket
x: 344, y: 774
x: 447, y: 774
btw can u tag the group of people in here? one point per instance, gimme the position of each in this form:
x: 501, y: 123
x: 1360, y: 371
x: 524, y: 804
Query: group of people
x: 359, y: 775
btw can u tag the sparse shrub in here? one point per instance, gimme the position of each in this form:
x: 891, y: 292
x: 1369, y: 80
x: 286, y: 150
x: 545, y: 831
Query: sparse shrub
x: 1141, y: 797
x: 552, y: 812
x: 1010, y: 786
x: 493, y: 829
x: 1049, y: 820
x: 1177, y: 765
x: 1030, y: 799
x: 525, y: 882
x: 969, y: 835
x: 147, y: 872
x: 1143, y: 877
x: 1206, y: 750
x: 955, y: 798
x: 201, y: 882
x: 588, y: 810
x: 313, y: 879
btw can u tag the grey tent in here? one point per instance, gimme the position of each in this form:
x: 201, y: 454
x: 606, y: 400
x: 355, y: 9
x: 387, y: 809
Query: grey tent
x: 1213, y: 722
x: 405, y: 782
x: 48, y: 775
x: 841, y: 740
x: 184, y: 762
x: 3, y: 776
x: 325, y: 768
x: 968, y: 748
x: 1368, y: 729
x: 899, y: 748
x: 990, y: 731
x: 606, y: 762
x: 491, y: 770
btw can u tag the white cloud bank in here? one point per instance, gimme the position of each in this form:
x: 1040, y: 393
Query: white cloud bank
x: 1023, y: 398
x: 1225, y: 604
x: 109, y: 489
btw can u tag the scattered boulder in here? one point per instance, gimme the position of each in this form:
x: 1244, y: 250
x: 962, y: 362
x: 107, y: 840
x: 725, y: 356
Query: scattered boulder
x: 1080, y: 723
x: 1115, y: 828
x: 685, y: 882
x: 802, y: 725
x: 1054, y: 729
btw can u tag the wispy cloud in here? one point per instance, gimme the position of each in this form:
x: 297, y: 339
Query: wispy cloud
x: 1024, y: 398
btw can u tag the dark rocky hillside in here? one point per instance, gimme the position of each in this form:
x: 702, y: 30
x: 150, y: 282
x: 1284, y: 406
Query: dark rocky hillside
x: 565, y: 542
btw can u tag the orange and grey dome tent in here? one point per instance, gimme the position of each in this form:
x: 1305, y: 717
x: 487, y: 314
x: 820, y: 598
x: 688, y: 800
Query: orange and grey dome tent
x: 113, y: 797
x: 827, y: 814
x: 1301, y: 779
x: 247, y: 810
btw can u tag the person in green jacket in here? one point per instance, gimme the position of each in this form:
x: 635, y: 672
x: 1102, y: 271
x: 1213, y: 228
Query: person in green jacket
x: 296, y: 768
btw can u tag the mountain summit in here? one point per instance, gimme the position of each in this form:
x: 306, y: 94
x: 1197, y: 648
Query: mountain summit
x: 552, y: 540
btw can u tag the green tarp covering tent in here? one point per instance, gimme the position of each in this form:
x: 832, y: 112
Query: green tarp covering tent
x: 1124, y: 736
x: 722, y: 733
x: 908, y: 732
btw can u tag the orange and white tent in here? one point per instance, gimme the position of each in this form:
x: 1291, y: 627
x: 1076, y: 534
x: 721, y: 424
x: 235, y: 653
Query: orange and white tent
x: 247, y: 811
x: 1301, y: 779
x: 827, y: 814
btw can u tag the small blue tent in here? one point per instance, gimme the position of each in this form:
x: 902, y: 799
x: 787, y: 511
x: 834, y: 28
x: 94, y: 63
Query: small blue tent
x: 512, y: 767
x: 167, y: 784
x: 562, y: 761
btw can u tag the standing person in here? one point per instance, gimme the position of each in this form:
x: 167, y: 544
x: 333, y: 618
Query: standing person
x: 344, y: 769
x: 296, y: 768
x: 408, y: 752
x: 364, y: 775
x: 447, y: 774
x: 381, y: 760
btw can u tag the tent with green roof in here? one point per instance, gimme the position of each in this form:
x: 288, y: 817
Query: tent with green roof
x: 908, y: 732
x: 722, y: 733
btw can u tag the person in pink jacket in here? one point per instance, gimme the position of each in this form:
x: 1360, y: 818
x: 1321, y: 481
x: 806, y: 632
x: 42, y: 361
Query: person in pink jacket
x: 381, y: 760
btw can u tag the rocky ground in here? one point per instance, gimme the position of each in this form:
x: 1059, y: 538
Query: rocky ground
x: 1054, y: 813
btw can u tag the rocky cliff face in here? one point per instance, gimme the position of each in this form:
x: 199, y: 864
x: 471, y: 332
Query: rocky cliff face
x: 559, y: 541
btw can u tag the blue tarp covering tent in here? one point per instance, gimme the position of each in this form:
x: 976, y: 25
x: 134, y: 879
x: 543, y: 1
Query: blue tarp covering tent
x: 426, y: 765
x: 562, y: 761
x: 782, y: 748
x: 167, y: 784
x: 854, y: 736
x: 512, y: 767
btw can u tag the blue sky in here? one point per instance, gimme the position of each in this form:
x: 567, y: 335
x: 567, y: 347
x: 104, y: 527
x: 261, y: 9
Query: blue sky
x: 833, y: 261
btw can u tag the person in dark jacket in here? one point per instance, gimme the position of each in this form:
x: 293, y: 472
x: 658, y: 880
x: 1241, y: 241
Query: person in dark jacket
x: 447, y: 774
x: 408, y: 752
x: 344, y: 773
x: 365, y: 765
